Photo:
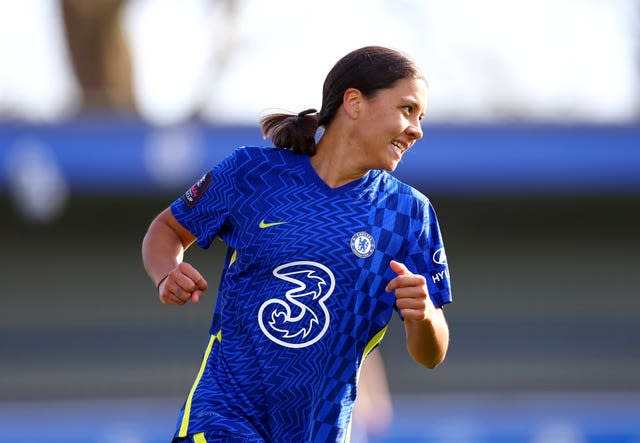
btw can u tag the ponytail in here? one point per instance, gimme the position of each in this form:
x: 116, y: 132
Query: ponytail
x: 295, y: 132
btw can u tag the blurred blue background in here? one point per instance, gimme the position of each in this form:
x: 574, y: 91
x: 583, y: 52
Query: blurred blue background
x: 109, y: 109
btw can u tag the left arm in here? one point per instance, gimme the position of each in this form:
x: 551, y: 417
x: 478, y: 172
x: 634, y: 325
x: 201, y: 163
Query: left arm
x: 425, y: 325
x: 373, y: 411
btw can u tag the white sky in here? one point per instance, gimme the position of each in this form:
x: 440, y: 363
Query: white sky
x: 541, y: 60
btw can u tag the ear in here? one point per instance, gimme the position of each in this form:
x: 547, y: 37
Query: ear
x: 352, y: 102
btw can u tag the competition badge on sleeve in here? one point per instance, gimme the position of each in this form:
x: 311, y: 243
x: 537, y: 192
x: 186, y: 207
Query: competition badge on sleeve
x: 194, y: 193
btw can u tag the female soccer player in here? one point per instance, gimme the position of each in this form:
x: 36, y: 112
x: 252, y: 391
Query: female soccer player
x: 324, y: 244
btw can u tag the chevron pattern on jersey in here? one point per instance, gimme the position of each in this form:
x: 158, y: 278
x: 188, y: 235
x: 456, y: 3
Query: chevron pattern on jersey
x: 297, y: 307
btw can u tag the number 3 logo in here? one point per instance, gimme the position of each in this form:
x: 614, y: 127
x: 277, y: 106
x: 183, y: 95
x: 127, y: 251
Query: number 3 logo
x: 300, y: 318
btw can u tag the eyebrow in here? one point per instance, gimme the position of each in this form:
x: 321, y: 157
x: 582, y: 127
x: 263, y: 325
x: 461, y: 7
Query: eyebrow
x: 413, y: 103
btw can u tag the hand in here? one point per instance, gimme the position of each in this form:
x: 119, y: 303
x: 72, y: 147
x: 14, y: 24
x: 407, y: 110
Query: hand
x: 412, y: 295
x: 184, y: 282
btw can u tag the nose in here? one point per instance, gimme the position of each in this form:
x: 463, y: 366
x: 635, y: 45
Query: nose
x: 415, y: 130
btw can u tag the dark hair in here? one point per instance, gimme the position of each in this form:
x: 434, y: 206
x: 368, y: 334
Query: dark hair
x: 367, y: 69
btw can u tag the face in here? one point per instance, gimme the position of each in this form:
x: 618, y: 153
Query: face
x: 388, y: 123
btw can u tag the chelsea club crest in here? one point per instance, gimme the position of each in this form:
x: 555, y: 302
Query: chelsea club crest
x: 362, y: 244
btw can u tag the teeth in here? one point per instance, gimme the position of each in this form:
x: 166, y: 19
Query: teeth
x: 397, y: 145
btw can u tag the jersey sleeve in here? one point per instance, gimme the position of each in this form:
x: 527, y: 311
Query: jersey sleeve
x: 427, y: 254
x: 205, y: 207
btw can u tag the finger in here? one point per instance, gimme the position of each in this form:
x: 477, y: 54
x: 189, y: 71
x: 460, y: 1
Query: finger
x: 413, y: 314
x: 403, y: 281
x: 184, y: 295
x: 195, y: 277
x: 168, y: 298
x: 184, y: 282
x: 175, y: 300
x: 201, y: 284
x: 176, y: 294
x: 411, y: 303
x: 180, y: 294
x: 400, y: 282
x: 399, y: 268
x: 416, y: 292
x: 163, y: 290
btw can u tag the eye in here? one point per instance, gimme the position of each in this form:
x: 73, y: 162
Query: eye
x: 408, y: 109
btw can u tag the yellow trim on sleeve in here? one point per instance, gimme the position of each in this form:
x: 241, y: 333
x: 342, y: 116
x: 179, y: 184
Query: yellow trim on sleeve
x: 233, y: 258
x: 374, y: 341
x: 199, y: 438
x: 187, y: 406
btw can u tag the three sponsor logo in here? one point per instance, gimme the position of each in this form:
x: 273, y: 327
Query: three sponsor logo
x: 300, y: 318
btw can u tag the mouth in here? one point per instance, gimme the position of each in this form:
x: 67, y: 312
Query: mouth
x: 400, y: 147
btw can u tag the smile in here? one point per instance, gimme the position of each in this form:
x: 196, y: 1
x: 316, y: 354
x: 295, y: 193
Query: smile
x: 400, y: 147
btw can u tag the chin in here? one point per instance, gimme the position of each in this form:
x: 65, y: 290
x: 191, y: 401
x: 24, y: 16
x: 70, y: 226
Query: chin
x: 390, y: 167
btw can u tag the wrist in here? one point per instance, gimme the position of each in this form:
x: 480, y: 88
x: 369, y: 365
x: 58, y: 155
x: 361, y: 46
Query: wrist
x: 160, y: 281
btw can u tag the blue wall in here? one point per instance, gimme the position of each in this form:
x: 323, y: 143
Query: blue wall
x: 108, y: 156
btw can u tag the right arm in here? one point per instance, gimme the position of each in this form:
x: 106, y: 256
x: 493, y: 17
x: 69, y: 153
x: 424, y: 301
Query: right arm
x: 163, y: 247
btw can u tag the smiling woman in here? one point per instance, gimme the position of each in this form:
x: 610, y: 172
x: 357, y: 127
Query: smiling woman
x: 324, y: 245
x: 390, y: 122
x: 371, y: 116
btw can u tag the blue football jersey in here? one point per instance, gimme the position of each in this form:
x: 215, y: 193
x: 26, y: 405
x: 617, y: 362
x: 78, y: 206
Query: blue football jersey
x: 301, y: 299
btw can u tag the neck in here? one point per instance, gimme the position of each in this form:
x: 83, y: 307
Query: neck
x: 335, y: 160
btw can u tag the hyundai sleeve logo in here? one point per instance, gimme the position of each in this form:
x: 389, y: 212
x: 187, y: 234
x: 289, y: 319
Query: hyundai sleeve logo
x: 440, y: 257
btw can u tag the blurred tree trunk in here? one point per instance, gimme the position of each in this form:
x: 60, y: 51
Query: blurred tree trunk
x: 100, y: 53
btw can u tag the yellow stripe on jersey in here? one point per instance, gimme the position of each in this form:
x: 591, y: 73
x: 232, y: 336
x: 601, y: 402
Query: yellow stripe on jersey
x: 374, y: 341
x: 199, y: 438
x: 233, y: 258
x: 184, y: 426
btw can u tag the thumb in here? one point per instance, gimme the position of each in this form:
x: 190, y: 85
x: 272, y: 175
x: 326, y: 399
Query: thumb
x: 195, y: 296
x: 399, y: 268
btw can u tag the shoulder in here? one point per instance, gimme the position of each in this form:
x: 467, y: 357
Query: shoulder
x: 249, y: 157
x: 264, y: 154
x: 394, y: 194
x: 392, y: 185
x: 258, y: 165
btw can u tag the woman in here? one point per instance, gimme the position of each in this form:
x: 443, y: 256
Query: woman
x: 323, y: 245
